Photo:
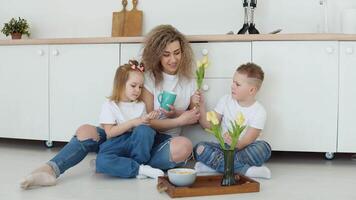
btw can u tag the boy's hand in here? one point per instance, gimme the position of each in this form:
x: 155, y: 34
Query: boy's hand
x: 169, y: 114
x: 227, y: 138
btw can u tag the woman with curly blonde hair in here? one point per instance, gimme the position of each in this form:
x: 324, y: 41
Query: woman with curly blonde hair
x: 168, y: 58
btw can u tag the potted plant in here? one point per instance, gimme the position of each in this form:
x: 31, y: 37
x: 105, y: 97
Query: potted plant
x: 237, y: 126
x: 16, y: 28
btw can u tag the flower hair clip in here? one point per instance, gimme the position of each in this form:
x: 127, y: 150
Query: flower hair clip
x: 136, y: 66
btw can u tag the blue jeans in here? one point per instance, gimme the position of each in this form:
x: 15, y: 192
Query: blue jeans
x: 74, y: 152
x: 122, y: 156
x: 161, y: 153
x: 255, y: 154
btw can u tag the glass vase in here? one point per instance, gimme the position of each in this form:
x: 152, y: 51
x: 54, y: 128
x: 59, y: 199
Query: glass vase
x: 229, y: 176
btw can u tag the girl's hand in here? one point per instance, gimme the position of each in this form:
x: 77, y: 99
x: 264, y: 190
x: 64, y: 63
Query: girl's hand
x: 189, y: 117
x: 153, y: 115
x: 140, y: 120
x: 169, y: 114
x: 227, y: 138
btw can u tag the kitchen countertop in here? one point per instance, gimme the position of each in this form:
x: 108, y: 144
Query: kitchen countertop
x: 192, y: 38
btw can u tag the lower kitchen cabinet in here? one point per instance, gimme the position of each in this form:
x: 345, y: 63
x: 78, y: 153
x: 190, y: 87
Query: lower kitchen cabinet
x: 347, y: 98
x: 24, y: 92
x: 81, y: 79
x: 300, y: 93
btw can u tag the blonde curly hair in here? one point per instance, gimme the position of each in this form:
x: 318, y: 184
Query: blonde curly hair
x: 155, y: 43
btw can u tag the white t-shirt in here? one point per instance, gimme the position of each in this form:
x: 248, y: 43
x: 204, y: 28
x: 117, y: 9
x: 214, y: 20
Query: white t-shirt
x: 117, y: 113
x: 255, y: 115
x: 184, y: 89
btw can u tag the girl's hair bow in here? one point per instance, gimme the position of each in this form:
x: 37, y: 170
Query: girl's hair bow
x: 135, y: 65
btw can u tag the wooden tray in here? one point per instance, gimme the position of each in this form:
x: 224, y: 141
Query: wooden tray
x: 208, y: 185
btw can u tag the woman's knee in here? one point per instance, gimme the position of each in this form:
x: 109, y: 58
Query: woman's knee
x: 87, y: 131
x: 181, y: 148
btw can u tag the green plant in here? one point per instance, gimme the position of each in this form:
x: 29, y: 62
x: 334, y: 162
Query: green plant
x: 237, y: 126
x: 16, y: 26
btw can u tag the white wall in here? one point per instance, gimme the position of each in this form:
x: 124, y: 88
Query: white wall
x: 92, y: 18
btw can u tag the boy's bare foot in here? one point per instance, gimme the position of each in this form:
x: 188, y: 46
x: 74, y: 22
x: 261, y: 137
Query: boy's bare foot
x: 42, y: 176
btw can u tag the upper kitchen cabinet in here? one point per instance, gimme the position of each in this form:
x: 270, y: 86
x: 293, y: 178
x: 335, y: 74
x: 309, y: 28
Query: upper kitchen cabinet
x: 300, y: 94
x: 130, y: 51
x: 24, y: 92
x: 81, y: 77
x: 347, y: 98
x: 224, y: 57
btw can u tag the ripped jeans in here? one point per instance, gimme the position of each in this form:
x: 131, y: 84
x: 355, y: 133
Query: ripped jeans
x: 255, y: 154
x: 75, y: 151
x: 161, y: 153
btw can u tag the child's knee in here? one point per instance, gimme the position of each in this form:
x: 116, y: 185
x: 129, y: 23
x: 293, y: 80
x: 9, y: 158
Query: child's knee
x: 199, y: 149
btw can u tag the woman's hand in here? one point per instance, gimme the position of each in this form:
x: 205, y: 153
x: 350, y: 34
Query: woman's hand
x: 189, y: 117
x: 196, y: 98
x: 169, y: 114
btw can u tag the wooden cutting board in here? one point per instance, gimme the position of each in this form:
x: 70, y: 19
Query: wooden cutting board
x: 127, y: 23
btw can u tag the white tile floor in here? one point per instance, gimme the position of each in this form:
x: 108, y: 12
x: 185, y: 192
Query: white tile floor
x: 294, y: 176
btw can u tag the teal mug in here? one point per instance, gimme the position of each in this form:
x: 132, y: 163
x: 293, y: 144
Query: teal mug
x: 166, y: 98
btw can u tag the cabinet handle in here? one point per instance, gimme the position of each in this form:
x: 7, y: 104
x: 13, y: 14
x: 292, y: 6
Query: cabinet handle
x: 205, y: 87
x: 55, y: 52
x: 204, y: 52
x: 330, y: 50
x: 40, y: 52
x: 349, y: 50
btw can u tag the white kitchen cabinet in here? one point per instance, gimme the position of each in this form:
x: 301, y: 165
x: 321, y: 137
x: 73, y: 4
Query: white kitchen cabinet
x: 130, y: 51
x: 214, y: 89
x: 300, y: 94
x: 81, y: 77
x: 24, y: 92
x: 347, y: 98
x: 224, y: 57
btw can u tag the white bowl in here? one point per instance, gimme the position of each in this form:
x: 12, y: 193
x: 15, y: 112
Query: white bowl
x: 182, y: 176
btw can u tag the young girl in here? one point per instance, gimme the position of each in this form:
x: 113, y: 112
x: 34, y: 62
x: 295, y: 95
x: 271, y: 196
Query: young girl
x: 124, y: 139
x: 251, y: 151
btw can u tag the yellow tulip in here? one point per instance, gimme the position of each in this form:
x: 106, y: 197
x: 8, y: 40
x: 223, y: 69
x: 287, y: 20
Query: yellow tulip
x: 240, y: 119
x: 211, y: 117
x: 205, y: 61
x: 199, y: 64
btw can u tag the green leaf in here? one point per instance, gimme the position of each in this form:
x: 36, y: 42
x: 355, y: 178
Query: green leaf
x: 16, y: 26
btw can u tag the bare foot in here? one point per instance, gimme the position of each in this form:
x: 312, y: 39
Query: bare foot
x: 42, y: 176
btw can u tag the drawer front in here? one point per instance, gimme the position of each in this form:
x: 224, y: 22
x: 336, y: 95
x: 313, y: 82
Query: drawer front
x: 224, y: 58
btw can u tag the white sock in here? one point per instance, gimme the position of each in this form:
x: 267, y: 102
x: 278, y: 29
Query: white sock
x: 38, y: 179
x: 149, y: 171
x: 202, y: 168
x: 141, y: 176
x: 258, y: 172
x: 92, y: 164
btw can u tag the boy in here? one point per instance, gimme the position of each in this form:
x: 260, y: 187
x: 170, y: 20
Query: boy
x: 251, y: 152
